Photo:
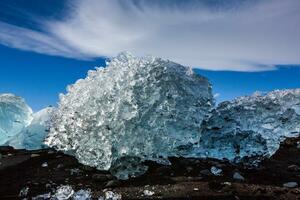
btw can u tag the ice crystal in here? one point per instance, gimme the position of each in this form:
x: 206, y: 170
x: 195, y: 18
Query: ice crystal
x: 133, y: 110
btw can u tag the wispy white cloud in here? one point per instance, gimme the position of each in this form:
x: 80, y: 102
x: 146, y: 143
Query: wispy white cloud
x: 249, y: 36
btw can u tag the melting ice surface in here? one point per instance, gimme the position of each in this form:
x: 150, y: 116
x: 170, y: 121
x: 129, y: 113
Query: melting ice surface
x: 32, y: 136
x: 15, y: 114
x: 251, y: 126
x: 19, y: 127
x: 133, y: 110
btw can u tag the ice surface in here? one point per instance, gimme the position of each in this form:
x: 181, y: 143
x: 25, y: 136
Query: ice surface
x: 135, y: 109
x: 82, y: 195
x: 15, y: 114
x: 33, y: 135
x: 64, y: 192
x: 251, y: 126
x: 110, y: 195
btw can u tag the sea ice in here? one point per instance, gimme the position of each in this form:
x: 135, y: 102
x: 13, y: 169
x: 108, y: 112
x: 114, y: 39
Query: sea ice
x: 15, y: 114
x: 133, y: 110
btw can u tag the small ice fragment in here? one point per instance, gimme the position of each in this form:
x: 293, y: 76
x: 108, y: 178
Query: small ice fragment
x: 82, y: 195
x: 216, y: 171
x: 23, y: 192
x: 110, y: 195
x: 148, y: 192
x: 290, y: 184
x: 42, y: 196
x: 64, y: 192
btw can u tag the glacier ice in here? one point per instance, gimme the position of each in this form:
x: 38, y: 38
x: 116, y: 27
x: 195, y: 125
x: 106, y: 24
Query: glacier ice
x: 33, y: 135
x: 139, y: 109
x: 15, y: 114
x: 250, y: 126
x: 133, y: 110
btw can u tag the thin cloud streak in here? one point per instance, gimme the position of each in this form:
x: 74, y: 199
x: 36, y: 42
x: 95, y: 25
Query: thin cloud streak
x: 250, y: 36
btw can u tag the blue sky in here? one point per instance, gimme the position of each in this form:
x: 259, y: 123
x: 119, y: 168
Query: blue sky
x: 241, y: 46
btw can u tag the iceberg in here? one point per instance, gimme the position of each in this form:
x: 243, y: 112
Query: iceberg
x: 133, y: 110
x: 33, y: 135
x: 15, y: 114
x: 250, y: 127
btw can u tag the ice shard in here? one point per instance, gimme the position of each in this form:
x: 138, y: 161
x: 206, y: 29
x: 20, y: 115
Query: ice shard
x: 251, y: 126
x: 133, y: 110
x: 15, y: 114
x: 33, y: 136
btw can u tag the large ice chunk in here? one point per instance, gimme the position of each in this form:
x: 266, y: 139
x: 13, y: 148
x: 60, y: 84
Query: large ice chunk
x: 15, y: 114
x: 33, y: 135
x: 251, y: 126
x: 133, y: 110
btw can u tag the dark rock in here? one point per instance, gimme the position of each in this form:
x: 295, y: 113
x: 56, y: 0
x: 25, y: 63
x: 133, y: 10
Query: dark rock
x: 33, y: 155
x: 88, y: 168
x: 6, y: 148
x: 293, y: 168
x: 13, y: 160
x: 102, y: 177
x: 214, y: 185
x: 205, y: 172
x: 189, y: 169
x: 238, y: 176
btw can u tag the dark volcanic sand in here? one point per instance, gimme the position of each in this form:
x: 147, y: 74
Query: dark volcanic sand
x: 182, y: 180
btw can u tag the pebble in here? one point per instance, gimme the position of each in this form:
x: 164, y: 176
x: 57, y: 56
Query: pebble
x: 112, y: 183
x: 24, y: 192
x: 51, y: 152
x: 75, y: 171
x: 88, y: 168
x: 227, y: 183
x: 290, y: 184
x: 293, y: 168
x: 238, y: 176
x: 205, y: 172
x: 34, y: 155
x: 60, y: 166
x: 45, y: 164
x: 189, y: 169
x: 148, y: 193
